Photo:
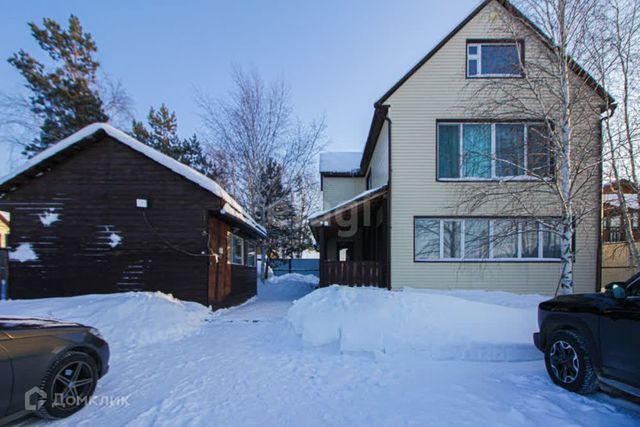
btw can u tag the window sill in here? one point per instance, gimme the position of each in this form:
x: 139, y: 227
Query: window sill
x: 493, y: 260
x: 497, y: 179
x: 496, y: 76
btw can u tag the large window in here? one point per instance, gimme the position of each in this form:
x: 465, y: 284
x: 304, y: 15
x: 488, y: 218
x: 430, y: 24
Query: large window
x: 486, y: 239
x: 494, y: 59
x: 493, y: 151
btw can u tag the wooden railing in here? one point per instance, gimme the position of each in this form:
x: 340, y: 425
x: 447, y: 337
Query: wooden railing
x: 617, y: 234
x: 352, y: 273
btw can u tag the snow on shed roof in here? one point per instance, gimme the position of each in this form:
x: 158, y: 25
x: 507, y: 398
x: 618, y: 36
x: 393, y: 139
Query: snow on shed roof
x: 170, y: 163
x: 340, y: 162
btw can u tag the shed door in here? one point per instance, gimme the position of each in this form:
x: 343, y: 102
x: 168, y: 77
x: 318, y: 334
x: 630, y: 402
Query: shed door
x: 219, y: 286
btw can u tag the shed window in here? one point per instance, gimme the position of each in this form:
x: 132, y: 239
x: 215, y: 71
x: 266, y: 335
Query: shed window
x: 237, y: 250
x: 494, y: 59
x: 250, y: 253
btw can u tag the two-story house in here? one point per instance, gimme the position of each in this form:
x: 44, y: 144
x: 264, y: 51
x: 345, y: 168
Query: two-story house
x: 390, y: 216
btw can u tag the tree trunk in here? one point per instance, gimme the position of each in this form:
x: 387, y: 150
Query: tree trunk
x: 566, y: 237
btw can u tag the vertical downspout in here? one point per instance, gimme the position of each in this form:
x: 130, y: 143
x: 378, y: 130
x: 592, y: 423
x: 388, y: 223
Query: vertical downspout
x: 388, y: 120
x: 599, y: 253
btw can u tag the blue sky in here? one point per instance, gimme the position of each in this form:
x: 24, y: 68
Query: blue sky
x: 337, y: 57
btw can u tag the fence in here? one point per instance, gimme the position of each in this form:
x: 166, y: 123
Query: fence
x: 301, y: 266
x: 352, y: 273
x: 4, y: 273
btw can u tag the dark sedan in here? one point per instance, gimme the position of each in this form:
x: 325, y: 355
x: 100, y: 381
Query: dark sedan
x: 48, y: 367
x: 593, y: 339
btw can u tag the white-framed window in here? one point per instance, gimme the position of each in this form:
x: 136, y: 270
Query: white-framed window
x: 236, y: 244
x: 494, y: 59
x: 486, y: 239
x: 493, y: 151
x: 615, y: 221
x: 250, y: 253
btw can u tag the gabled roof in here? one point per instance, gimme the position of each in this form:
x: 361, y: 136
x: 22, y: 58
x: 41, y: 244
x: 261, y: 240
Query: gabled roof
x: 3, y: 219
x: 581, y: 72
x: 231, y: 207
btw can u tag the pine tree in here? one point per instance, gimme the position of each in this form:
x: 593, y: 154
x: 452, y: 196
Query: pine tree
x: 163, y: 136
x: 65, y: 97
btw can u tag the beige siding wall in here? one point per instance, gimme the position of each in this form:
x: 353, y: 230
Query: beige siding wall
x: 438, y: 91
x: 379, y: 165
x: 615, y: 263
x: 4, y: 233
x: 336, y: 190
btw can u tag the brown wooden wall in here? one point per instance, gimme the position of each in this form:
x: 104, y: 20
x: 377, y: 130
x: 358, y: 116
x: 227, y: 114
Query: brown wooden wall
x: 94, y: 193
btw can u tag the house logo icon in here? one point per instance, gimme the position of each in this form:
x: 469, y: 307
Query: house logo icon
x: 34, y: 398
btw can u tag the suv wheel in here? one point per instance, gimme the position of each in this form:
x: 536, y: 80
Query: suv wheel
x: 568, y: 363
x: 68, y: 385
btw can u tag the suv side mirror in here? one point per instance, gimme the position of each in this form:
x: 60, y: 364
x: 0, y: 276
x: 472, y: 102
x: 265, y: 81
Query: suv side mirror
x: 610, y: 286
x: 618, y: 292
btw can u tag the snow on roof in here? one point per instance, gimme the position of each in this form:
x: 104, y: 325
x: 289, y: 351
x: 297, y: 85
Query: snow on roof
x: 170, y: 163
x: 630, y: 199
x: 362, y: 196
x: 340, y: 161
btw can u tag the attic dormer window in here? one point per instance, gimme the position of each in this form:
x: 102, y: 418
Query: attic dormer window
x: 494, y: 58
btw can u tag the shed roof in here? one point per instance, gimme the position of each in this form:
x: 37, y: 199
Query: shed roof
x: 231, y: 208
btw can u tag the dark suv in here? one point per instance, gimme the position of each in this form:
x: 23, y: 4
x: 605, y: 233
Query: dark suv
x: 593, y: 339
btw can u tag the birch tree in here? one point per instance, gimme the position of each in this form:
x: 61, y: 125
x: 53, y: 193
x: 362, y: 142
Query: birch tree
x: 615, y: 53
x: 255, y: 126
x: 555, y: 92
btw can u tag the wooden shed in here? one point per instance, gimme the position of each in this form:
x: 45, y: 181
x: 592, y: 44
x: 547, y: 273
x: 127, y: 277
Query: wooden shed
x: 100, y: 212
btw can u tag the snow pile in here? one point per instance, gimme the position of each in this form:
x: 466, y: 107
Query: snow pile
x: 287, y: 287
x: 49, y: 217
x: 126, y: 320
x: 340, y: 161
x: 437, y: 325
x: 23, y: 253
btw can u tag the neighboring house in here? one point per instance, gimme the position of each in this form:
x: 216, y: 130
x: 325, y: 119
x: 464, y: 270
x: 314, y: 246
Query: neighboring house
x: 4, y: 229
x: 612, y: 229
x: 615, y: 252
x: 100, y: 212
x: 389, y: 217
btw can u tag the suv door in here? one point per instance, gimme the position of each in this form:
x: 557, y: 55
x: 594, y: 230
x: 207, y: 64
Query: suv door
x: 620, y: 337
x: 6, y: 377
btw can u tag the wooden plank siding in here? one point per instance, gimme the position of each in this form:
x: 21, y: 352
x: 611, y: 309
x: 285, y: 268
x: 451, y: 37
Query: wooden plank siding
x: 93, y: 192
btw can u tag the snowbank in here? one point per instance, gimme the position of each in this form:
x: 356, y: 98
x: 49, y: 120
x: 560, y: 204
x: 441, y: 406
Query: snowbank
x: 287, y: 287
x: 126, y: 320
x: 439, y: 326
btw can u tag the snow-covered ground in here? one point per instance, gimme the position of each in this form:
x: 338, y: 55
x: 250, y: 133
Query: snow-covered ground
x: 337, y: 357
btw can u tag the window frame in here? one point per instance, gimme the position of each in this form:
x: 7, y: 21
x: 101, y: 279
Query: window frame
x: 519, y: 43
x: 462, y: 219
x: 494, y: 160
x: 231, y: 256
x: 247, y: 245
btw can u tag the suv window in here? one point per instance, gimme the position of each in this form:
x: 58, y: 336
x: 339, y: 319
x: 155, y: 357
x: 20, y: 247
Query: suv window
x: 633, y: 286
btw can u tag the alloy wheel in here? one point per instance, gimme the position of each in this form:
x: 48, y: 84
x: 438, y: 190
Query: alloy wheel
x: 72, y: 385
x: 564, y: 361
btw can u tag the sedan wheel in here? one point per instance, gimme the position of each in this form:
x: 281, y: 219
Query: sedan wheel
x: 69, y: 385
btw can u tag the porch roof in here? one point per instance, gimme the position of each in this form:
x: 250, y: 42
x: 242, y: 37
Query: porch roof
x: 369, y: 196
